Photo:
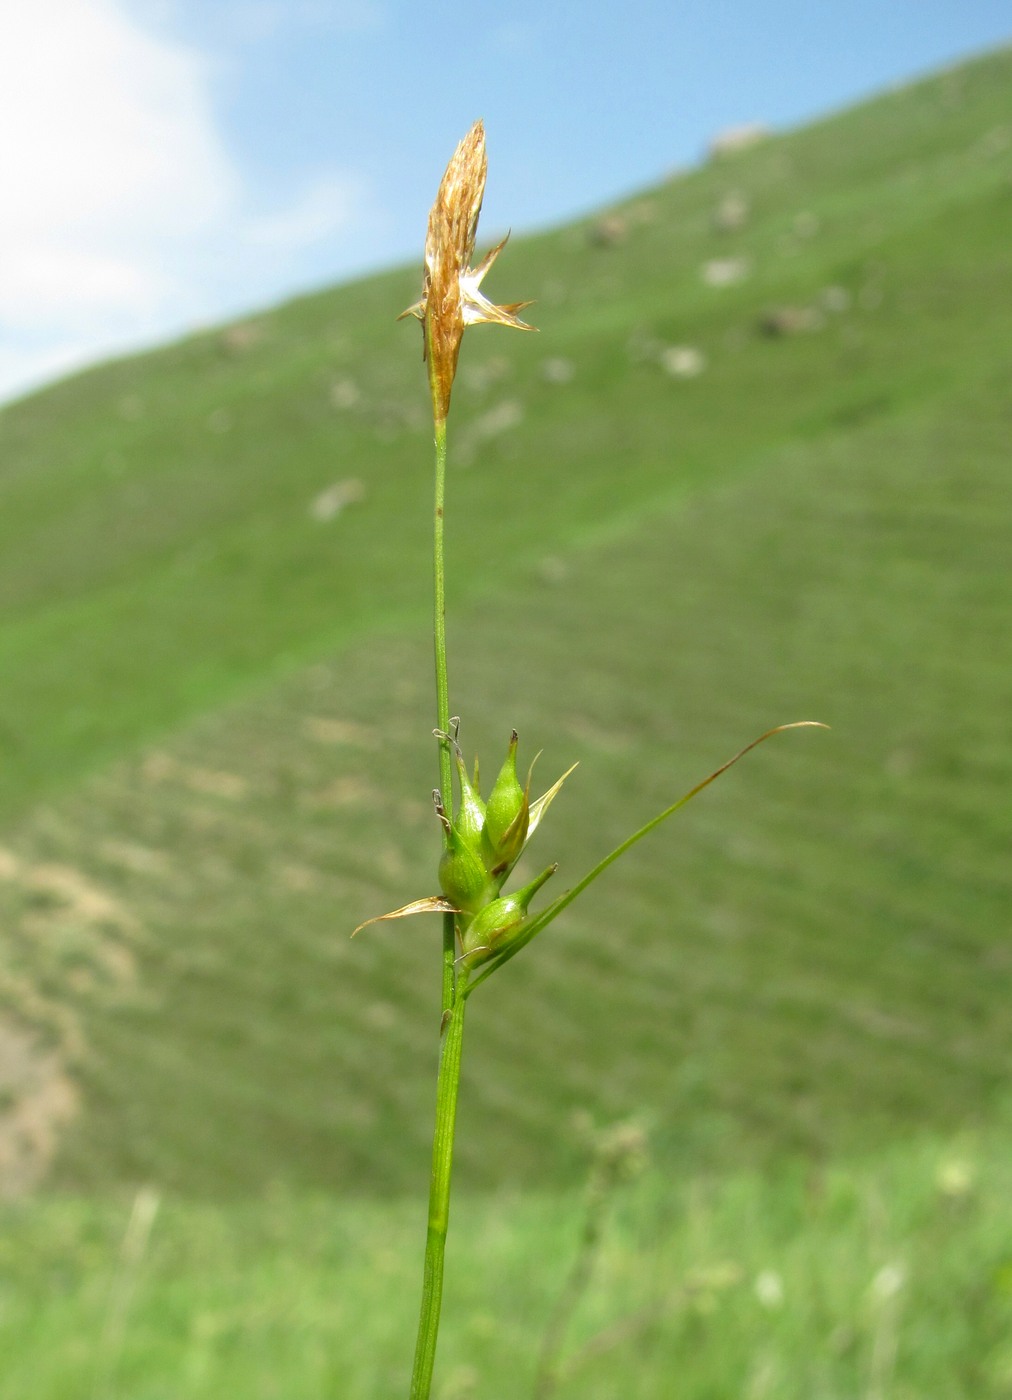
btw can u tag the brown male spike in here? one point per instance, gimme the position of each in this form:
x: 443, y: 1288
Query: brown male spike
x: 451, y: 292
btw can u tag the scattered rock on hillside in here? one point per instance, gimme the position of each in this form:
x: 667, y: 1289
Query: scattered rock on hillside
x: 498, y: 420
x: 553, y: 570
x: 237, y: 339
x: 644, y: 211
x: 481, y: 376
x: 682, y: 361
x: 790, y: 320
x: 724, y: 272
x: 557, y: 370
x: 330, y: 503
x: 731, y: 213
x: 608, y: 231
x: 835, y: 299
x: 389, y: 417
x: 345, y: 394
x: 737, y: 138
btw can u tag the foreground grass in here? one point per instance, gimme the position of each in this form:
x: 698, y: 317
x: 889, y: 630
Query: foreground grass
x: 889, y: 1276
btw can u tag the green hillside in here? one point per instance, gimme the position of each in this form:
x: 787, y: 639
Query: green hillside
x: 215, y: 700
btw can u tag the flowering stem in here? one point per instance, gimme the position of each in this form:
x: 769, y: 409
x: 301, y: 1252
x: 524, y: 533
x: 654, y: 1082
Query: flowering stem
x: 439, y: 1195
x: 453, y: 986
x: 442, y: 688
x: 450, y: 300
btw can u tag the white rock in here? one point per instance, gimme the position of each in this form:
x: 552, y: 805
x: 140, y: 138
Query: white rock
x: 558, y: 370
x: 332, y: 501
x: 345, y: 393
x: 724, y: 272
x: 738, y: 138
x: 682, y: 361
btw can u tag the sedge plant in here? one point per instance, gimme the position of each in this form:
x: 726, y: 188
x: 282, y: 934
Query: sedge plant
x: 484, y: 925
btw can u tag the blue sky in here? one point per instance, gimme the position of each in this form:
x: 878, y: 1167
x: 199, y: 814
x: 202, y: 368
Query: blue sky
x: 170, y: 163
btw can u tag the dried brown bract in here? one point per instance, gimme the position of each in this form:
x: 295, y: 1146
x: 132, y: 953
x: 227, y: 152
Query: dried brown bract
x: 451, y: 294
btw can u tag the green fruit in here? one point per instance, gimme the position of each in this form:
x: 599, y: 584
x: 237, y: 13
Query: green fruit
x: 470, y: 818
x: 493, y: 927
x: 507, y: 816
x: 462, y: 874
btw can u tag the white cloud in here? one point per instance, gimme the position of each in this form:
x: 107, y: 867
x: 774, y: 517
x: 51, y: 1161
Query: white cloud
x: 122, y: 207
x: 107, y: 152
x: 53, y: 283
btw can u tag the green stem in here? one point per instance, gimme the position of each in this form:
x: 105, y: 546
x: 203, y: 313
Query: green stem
x: 439, y: 1196
x: 442, y: 690
x: 453, y: 987
x: 439, y: 619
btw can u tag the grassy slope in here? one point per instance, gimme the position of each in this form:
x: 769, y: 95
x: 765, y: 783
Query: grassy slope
x: 646, y: 574
x: 887, y: 1277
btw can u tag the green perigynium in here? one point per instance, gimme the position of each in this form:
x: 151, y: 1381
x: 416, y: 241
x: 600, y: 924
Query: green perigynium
x: 463, y: 876
x: 498, y: 926
x: 471, y: 811
x: 507, y: 815
x: 481, y: 846
x: 485, y: 840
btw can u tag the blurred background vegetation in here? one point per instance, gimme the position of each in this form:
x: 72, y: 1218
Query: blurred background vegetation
x: 753, y: 469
